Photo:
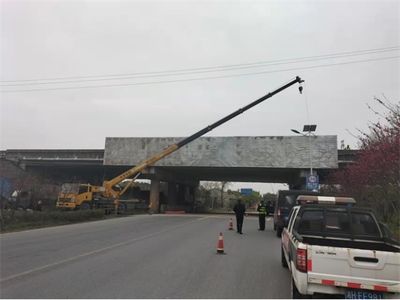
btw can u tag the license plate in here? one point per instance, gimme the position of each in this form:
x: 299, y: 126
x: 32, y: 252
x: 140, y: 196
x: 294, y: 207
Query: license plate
x: 362, y: 294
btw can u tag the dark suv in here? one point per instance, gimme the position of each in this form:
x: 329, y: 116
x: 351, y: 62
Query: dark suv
x: 284, y: 203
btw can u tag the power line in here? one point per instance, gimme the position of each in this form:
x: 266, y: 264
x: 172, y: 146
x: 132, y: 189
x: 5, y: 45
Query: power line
x: 197, y: 72
x: 188, y: 71
x: 202, y: 78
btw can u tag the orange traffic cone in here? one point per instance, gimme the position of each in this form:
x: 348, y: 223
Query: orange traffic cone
x: 231, y: 224
x: 220, y: 245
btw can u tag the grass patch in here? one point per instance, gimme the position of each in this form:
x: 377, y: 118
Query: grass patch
x: 14, y: 220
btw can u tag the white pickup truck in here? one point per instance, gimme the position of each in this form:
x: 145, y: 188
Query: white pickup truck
x: 339, y: 250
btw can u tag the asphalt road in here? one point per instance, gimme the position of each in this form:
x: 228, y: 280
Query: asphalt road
x: 144, y: 256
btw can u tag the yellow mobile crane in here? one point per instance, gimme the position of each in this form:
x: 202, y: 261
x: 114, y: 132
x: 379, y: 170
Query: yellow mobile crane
x: 85, y: 196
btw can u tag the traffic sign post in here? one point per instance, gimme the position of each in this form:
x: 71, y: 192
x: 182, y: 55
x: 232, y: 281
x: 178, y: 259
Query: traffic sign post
x: 312, y: 182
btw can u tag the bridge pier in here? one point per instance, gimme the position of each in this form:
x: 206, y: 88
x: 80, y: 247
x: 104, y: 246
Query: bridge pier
x: 181, y: 196
x: 154, y: 201
x: 172, y: 194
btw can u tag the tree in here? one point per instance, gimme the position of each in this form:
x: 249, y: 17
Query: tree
x: 223, y: 185
x: 374, y: 178
x: 208, y: 186
x: 252, y: 199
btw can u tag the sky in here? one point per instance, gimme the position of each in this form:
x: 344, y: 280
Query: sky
x: 75, y: 72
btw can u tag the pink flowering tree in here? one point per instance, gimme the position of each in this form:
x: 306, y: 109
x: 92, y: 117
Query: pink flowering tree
x: 374, y: 178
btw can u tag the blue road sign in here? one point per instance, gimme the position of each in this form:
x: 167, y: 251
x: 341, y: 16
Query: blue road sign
x: 246, y: 191
x: 312, y: 182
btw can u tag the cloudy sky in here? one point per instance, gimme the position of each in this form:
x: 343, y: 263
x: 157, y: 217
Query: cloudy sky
x: 75, y: 72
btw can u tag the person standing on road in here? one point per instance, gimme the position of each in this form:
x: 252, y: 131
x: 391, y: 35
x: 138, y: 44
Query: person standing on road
x: 262, y: 211
x: 239, y: 210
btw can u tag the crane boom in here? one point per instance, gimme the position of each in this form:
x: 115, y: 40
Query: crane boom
x: 172, y: 148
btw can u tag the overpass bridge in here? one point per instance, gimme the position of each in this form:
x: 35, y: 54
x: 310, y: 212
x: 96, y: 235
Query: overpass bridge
x: 275, y: 159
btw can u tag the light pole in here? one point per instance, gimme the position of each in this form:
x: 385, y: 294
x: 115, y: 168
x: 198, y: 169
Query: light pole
x: 309, y: 129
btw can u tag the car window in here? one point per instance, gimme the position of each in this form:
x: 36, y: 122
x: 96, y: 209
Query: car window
x: 287, y: 201
x: 310, y: 222
x: 83, y: 189
x: 364, y: 224
x: 67, y: 188
x: 337, y: 222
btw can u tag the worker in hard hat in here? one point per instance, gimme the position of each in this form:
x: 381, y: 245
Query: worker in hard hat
x: 262, y: 211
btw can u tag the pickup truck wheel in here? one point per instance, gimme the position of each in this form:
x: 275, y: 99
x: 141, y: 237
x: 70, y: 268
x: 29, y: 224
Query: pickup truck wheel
x: 295, y: 292
x: 283, y: 259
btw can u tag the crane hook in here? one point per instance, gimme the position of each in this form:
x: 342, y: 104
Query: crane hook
x: 301, y: 89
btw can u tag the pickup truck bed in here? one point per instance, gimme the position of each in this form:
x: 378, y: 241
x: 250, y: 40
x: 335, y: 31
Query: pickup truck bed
x: 340, y: 250
x: 353, y: 244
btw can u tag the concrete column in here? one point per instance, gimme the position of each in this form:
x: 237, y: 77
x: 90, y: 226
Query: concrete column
x: 181, y: 193
x: 188, y: 198
x: 172, y: 194
x: 154, y: 206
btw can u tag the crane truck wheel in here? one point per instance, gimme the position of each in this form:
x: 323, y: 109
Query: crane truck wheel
x: 85, y: 206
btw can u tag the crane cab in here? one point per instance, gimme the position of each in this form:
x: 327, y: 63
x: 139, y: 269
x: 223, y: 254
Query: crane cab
x: 75, y: 195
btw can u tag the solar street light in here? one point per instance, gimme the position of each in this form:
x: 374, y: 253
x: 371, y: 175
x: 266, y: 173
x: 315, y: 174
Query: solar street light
x: 309, y: 128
